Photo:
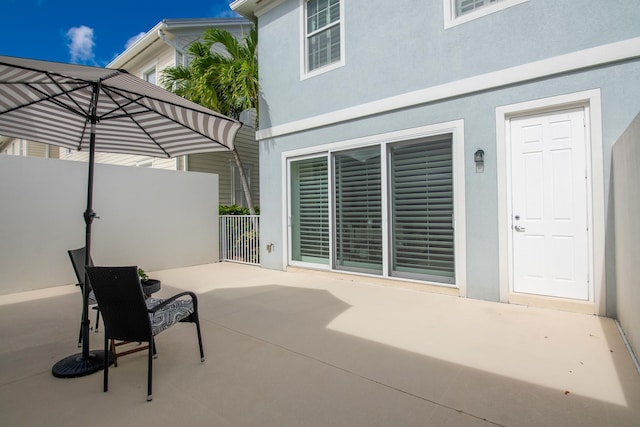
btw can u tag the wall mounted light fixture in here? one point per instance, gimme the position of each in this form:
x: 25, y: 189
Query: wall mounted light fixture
x: 478, y: 158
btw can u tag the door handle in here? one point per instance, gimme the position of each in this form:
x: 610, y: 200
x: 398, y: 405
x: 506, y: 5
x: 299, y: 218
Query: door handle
x: 520, y: 229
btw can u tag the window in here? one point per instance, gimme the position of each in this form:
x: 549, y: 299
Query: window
x: 237, y: 190
x: 310, y: 211
x: 150, y: 75
x: 323, y: 34
x: 460, y: 11
x: 20, y: 147
x: 466, y: 6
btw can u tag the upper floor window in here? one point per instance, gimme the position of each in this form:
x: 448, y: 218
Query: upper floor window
x: 323, y: 34
x: 150, y: 75
x: 460, y: 11
x: 466, y: 6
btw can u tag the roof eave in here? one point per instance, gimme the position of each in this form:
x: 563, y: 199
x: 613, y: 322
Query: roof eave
x: 251, y: 9
x: 169, y: 24
x: 132, y: 51
x: 180, y: 23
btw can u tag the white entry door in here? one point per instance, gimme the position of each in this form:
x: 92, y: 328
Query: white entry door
x: 549, y: 209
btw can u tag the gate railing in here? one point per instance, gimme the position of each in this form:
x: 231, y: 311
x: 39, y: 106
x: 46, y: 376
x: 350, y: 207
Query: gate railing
x: 239, y: 238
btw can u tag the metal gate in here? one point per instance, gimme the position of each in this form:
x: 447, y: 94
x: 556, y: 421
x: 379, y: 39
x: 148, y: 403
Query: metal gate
x: 240, y: 238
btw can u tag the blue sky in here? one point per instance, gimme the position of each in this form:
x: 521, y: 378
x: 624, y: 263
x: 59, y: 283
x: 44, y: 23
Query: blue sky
x: 89, y: 32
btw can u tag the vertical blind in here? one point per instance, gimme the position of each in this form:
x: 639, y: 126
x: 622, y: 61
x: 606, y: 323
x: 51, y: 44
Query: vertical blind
x: 422, y: 210
x: 310, y: 210
x: 358, y: 210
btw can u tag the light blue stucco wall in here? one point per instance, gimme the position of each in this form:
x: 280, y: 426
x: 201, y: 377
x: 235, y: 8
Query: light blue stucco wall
x: 620, y: 89
x: 394, y: 48
x: 410, y: 50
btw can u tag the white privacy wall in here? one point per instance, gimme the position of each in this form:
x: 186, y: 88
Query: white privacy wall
x: 155, y: 219
x: 626, y: 190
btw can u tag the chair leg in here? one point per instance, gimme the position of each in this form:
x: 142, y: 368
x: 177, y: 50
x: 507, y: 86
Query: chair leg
x: 150, y: 370
x: 97, y: 318
x: 106, y: 364
x: 197, y: 322
x: 114, y: 352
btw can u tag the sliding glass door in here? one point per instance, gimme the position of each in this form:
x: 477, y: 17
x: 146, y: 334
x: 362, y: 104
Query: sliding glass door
x: 358, y: 210
x: 355, y: 210
x: 310, y: 211
x: 421, y: 186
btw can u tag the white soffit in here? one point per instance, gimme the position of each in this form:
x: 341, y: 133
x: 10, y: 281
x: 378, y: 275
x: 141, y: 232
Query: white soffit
x: 251, y: 9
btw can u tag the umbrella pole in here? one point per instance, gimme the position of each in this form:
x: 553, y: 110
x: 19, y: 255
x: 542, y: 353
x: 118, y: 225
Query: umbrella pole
x: 89, y: 215
x: 87, y: 362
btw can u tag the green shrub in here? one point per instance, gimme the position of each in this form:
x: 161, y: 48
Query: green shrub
x: 235, y: 210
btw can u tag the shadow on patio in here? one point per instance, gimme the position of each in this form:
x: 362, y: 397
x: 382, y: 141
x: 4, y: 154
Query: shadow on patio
x: 316, y: 349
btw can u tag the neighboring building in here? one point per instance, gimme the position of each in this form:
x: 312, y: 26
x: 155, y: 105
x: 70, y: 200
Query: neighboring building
x: 165, y: 46
x: 460, y: 146
x: 22, y: 147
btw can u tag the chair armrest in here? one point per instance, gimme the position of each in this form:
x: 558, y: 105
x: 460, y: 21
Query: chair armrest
x: 168, y: 301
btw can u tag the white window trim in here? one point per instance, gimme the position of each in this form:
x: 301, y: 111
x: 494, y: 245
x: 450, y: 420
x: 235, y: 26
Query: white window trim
x: 451, y: 20
x: 148, y: 69
x: 304, y: 74
x: 456, y: 129
x: 591, y: 101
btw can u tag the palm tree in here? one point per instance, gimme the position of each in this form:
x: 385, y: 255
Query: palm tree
x: 226, y: 81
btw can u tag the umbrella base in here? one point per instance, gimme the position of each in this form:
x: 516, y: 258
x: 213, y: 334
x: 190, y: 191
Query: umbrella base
x: 80, y: 366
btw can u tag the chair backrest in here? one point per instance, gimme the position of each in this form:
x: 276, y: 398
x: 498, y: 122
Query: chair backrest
x: 77, y: 257
x: 122, y: 302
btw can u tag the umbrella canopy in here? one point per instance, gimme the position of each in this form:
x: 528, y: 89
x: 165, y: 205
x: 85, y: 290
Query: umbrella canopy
x: 52, y: 102
x: 97, y: 109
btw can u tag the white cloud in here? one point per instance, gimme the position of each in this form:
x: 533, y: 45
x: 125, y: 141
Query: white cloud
x: 133, y: 39
x: 81, y: 44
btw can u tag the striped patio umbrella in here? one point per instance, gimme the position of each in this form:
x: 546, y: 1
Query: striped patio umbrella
x: 102, y: 110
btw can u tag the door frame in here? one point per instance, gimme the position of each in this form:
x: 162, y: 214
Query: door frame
x: 591, y: 102
x: 456, y: 129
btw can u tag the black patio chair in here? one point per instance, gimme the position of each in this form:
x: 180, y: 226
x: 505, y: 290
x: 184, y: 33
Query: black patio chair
x: 77, y: 257
x: 129, y: 316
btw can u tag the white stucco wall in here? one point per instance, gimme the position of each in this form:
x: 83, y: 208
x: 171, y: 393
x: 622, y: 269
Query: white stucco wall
x: 626, y: 190
x: 155, y: 219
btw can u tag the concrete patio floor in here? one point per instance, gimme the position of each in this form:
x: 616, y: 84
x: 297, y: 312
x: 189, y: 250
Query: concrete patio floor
x: 302, y: 348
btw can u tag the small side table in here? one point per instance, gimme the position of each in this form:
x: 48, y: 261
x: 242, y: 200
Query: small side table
x: 150, y: 286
